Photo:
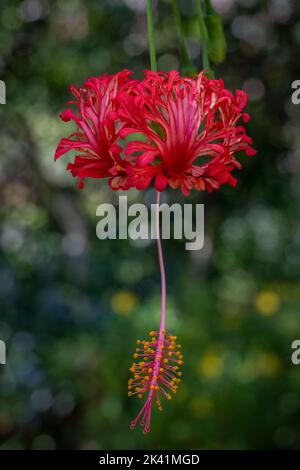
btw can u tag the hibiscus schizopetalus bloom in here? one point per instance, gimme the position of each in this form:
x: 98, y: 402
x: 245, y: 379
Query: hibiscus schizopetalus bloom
x: 188, y: 134
x: 95, y: 142
x: 191, y: 131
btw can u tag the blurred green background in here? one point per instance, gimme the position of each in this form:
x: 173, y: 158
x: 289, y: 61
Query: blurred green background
x: 72, y: 306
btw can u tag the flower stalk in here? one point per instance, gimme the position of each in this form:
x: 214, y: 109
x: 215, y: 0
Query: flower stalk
x: 153, y: 62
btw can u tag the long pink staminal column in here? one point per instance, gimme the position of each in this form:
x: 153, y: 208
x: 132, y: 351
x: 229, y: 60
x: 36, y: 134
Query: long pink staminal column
x: 157, y: 373
x: 161, y: 267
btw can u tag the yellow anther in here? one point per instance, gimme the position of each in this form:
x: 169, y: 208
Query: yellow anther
x: 140, y: 395
x: 150, y: 370
x: 161, y: 369
x: 180, y: 363
x: 155, y: 377
x: 129, y: 394
x: 138, y: 341
x: 169, y: 354
x: 166, y: 361
x: 168, y: 396
x: 180, y: 374
x: 135, y: 355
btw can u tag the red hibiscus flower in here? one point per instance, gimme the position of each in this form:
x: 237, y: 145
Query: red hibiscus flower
x: 191, y: 131
x: 95, y: 142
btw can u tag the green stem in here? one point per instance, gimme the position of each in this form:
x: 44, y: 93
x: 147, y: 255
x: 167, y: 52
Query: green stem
x: 153, y: 62
x: 203, y: 34
x: 183, y: 48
